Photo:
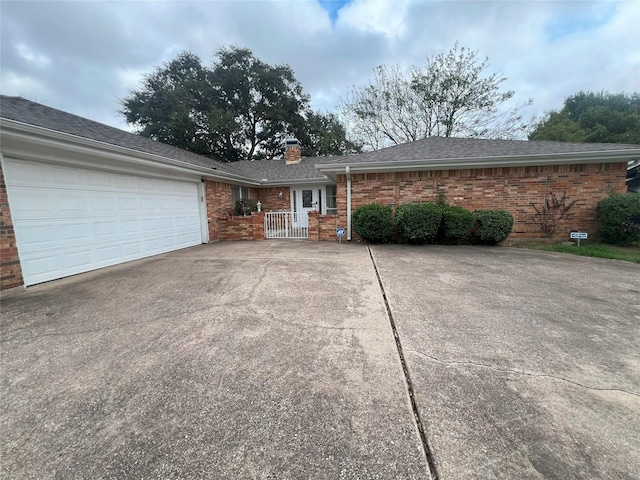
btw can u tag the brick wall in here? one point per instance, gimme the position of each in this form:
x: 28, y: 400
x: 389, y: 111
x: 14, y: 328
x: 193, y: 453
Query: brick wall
x: 242, y: 228
x: 10, y: 269
x: 513, y: 189
x: 270, y: 200
x: 323, y: 227
x: 218, y: 198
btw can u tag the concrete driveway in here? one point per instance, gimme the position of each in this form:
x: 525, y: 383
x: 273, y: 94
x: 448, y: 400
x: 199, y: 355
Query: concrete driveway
x: 276, y: 359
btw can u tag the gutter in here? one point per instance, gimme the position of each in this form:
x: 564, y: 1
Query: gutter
x: 47, y: 138
x: 460, y: 163
x: 347, y: 172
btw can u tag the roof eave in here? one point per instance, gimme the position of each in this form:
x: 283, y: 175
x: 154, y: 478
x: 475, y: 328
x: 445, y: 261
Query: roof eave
x: 35, y: 134
x: 464, y: 163
x: 296, y: 181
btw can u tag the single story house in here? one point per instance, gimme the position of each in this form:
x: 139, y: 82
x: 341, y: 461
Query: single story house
x: 77, y: 195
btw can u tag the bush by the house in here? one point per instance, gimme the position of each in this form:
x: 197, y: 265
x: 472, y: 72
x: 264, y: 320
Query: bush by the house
x: 418, y: 223
x: 245, y: 207
x: 373, y: 222
x: 491, y: 226
x: 455, y: 226
x: 619, y: 216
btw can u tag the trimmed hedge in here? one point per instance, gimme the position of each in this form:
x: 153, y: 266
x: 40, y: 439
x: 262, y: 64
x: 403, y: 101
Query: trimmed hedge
x: 418, y: 223
x: 455, y: 226
x: 619, y: 216
x: 373, y: 222
x: 491, y: 226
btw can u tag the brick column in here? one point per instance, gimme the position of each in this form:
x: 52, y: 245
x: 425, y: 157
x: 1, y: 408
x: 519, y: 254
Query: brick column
x: 257, y: 224
x: 10, y: 269
x: 314, y: 232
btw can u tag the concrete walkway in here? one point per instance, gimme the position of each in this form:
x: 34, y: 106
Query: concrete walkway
x: 277, y: 360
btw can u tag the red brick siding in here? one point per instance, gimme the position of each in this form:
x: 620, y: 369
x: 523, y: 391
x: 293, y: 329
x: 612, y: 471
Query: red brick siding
x: 513, y: 189
x: 218, y: 198
x: 242, y: 228
x: 269, y: 198
x: 10, y: 269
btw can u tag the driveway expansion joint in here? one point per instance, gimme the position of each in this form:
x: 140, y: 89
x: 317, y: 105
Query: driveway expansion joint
x: 428, y: 453
x: 521, y: 372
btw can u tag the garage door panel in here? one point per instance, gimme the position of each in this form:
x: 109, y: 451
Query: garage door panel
x: 79, y: 258
x: 35, y: 237
x: 69, y: 220
x: 42, y: 265
x: 71, y: 204
x: 107, y: 254
x: 67, y: 177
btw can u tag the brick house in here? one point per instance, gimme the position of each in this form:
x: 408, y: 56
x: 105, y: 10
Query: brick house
x: 77, y: 195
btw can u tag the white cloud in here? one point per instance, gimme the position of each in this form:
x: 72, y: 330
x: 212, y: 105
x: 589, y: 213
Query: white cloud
x: 25, y: 52
x: 84, y: 56
x: 378, y: 16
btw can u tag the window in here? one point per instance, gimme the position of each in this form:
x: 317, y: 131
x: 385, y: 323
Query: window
x: 331, y: 199
x: 238, y: 193
x: 307, y: 198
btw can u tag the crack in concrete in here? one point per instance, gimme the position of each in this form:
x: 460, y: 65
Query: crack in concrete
x: 421, y: 430
x: 522, y: 372
x: 259, y: 282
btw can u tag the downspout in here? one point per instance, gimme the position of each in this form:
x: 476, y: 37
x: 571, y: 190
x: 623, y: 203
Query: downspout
x: 348, y: 174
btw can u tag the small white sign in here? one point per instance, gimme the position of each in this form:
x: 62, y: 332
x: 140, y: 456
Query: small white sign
x: 340, y: 232
x: 579, y: 235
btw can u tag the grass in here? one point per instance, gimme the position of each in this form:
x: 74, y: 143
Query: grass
x: 628, y: 254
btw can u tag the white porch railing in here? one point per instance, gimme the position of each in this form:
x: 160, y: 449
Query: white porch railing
x: 286, y: 225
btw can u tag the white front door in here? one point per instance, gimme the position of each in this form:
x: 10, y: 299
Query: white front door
x: 303, y: 201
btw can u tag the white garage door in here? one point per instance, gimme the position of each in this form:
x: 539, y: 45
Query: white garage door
x: 70, y: 220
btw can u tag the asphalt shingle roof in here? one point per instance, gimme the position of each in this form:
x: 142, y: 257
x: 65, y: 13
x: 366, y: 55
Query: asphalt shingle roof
x: 434, y: 148
x: 32, y: 113
x: 270, y: 171
x: 278, y: 170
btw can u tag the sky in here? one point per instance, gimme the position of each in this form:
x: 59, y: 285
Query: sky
x: 84, y: 57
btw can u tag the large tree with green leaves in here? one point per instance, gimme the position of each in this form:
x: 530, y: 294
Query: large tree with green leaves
x: 593, y: 117
x: 452, y: 95
x: 239, y: 109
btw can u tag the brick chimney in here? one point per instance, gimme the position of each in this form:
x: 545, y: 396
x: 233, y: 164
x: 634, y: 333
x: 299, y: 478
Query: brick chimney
x: 292, y: 151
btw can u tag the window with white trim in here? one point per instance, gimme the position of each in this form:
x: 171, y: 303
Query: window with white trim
x: 331, y: 199
x: 238, y: 193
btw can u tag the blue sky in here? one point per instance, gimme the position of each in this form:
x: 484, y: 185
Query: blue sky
x: 332, y: 7
x: 85, y: 56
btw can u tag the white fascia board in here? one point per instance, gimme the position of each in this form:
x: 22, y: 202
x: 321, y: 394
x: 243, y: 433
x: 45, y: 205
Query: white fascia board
x: 20, y: 140
x: 297, y: 182
x: 464, y: 163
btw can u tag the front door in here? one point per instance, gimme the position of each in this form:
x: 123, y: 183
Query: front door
x: 303, y: 201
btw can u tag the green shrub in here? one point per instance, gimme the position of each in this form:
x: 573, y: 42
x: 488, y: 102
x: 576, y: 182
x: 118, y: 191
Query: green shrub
x: 455, y: 226
x: 245, y: 207
x: 373, y: 222
x: 418, y: 223
x: 619, y: 216
x: 491, y: 226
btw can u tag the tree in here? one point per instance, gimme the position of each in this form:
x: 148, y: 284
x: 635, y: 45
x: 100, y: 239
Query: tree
x: 593, y: 117
x: 171, y: 104
x: 324, y: 135
x: 450, y: 96
x: 239, y: 109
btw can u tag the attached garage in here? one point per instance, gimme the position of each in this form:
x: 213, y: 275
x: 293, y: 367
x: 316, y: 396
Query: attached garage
x: 69, y: 220
x: 77, y: 195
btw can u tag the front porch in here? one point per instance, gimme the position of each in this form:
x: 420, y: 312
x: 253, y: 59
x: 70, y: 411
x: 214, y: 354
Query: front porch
x: 282, y: 225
